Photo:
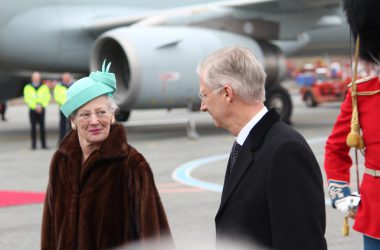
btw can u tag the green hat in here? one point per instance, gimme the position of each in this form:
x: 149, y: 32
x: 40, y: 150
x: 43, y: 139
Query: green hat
x: 87, y: 88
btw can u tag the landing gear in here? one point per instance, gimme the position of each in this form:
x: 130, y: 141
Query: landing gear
x: 278, y: 98
x: 122, y: 115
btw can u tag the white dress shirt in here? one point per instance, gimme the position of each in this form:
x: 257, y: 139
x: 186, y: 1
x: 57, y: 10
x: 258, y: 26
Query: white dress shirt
x: 243, y: 134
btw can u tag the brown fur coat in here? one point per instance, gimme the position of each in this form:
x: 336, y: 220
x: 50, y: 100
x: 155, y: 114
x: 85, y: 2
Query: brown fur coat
x: 110, y: 200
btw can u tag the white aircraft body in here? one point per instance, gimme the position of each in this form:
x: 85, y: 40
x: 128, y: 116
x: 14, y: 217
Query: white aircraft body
x: 154, y: 46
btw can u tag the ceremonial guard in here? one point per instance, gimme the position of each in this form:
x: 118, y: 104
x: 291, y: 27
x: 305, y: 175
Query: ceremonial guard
x: 357, y: 127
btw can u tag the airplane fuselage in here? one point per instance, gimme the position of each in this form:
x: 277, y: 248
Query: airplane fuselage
x: 155, y: 63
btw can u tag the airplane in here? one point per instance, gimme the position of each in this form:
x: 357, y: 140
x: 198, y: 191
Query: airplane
x: 154, y: 46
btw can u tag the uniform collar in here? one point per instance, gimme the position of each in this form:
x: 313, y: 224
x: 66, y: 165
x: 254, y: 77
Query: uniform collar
x: 36, y: 84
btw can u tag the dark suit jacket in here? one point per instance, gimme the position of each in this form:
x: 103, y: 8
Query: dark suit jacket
x: 274, y: 195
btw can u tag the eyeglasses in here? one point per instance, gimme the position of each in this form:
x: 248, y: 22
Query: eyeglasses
x: 202, y: 95
x: 99, y: 114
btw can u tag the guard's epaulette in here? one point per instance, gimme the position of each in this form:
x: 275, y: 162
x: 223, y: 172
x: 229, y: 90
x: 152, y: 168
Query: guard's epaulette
x: 363, y: 80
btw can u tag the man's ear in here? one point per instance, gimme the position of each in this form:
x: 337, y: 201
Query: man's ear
x: 228, y: 92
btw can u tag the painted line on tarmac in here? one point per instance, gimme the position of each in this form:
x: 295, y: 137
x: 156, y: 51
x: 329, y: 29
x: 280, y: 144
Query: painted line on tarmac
x: 182, y: 174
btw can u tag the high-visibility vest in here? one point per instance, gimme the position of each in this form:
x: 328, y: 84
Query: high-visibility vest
x: 34, y: 97
x: 60, y: 94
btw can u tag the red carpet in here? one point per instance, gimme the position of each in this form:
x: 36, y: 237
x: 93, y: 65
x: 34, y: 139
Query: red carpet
x: 13, y: 198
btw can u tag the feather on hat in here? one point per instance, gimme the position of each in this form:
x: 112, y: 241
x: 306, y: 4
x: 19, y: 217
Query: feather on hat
x: 85, y: 89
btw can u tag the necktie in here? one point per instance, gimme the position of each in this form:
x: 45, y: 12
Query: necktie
x: 234, y: 153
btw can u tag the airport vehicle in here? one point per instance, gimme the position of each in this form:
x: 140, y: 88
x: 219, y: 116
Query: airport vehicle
x: 321, y: 88
x: 154, y: 46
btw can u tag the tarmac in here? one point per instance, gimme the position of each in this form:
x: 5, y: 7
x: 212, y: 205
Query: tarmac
x: 191, y: 199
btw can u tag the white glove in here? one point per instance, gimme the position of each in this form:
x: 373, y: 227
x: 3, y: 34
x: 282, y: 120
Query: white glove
x: 348, y: 205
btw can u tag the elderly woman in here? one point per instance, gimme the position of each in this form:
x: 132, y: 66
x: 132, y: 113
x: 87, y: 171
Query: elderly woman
x: 101, y: 192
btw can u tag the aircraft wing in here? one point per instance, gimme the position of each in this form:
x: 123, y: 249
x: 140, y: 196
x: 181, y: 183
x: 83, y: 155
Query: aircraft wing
x: 162, y: 17
x: 205, y: 15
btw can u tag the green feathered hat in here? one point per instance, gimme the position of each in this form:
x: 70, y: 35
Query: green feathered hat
x: 85, y: 89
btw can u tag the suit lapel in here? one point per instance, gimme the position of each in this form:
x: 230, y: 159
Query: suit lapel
x: 246, y: 155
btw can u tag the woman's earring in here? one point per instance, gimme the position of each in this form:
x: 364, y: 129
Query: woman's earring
x: 73, y: 126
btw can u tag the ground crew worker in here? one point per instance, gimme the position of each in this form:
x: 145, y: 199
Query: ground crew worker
x: 37, y: 97
x: 60, y: 97
x: 357, y: 126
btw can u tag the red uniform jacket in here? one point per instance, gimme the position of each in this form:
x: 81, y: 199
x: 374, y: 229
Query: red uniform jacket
x: 338, y: 161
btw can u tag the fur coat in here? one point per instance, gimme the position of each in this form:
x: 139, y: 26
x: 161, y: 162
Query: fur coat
x: 109, y: 200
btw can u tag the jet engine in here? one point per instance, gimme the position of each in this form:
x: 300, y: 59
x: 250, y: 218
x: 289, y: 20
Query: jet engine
x: 155, y: 67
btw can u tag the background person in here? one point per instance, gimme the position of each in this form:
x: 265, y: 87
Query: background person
x: 60, y: 96
x: 101, y: 192
x: 3, y: 109
x: 37, y: 97
x: 273, y: 192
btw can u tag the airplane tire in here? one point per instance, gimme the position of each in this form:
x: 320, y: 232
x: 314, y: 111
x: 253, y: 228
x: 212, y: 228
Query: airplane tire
x: 278, y: 98
x: 310, y: 100
x: 122, y: 115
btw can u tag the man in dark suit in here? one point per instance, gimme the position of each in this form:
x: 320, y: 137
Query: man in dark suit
x: 273, y: 191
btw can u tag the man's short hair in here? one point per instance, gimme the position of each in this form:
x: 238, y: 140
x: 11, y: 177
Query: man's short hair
x: 238, y: 67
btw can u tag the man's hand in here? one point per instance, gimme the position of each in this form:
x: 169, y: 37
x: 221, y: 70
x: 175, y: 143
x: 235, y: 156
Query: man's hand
x: 348, y: 205
x: 342, y: 199
x: 39, y: 109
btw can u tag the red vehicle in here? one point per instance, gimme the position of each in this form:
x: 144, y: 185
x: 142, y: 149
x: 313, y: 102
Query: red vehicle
x: 322, y: 88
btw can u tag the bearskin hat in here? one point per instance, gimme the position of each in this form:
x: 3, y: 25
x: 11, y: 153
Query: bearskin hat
x: 364, y: 19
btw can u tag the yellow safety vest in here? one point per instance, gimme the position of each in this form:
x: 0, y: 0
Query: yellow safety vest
x: 60, y: 94
x: 33, y: 97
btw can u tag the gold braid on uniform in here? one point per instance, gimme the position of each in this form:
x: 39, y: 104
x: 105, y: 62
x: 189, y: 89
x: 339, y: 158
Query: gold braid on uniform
x: 354, y: 138
x: 374, y: 92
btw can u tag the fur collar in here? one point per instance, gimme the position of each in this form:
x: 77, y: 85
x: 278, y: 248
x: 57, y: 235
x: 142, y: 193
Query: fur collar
x: 115, y: 145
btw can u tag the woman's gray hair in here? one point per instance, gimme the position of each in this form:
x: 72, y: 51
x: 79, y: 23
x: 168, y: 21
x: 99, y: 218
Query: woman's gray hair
x: 111, y: 104
x: 238, y: 67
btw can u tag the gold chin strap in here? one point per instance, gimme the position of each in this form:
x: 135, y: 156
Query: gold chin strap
x: 354, y: 138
